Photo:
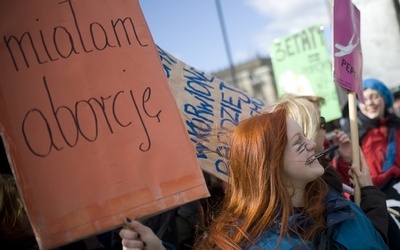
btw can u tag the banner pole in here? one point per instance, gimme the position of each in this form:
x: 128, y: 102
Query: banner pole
x: 354, y: 143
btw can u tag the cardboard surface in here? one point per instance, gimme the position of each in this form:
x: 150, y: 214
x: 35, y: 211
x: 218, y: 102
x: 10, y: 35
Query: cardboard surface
x: 210, y: 109
x: 302, y: 66
x: 91, y: 127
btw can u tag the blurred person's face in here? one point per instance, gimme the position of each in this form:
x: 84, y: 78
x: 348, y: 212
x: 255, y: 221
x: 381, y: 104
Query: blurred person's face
x: 396, y: 107
x: 374, y: 106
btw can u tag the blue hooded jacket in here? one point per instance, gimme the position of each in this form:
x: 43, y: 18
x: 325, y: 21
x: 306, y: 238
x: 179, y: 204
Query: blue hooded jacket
x: 347, y: 228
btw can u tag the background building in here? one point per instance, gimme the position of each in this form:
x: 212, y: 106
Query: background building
x: 255, y: 77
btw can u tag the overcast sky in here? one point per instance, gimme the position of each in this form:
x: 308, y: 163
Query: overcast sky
x: 191, y: 29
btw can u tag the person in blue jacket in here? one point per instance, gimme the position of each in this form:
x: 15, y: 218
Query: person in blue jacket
x: 306, y: 111
x: 274, y: 199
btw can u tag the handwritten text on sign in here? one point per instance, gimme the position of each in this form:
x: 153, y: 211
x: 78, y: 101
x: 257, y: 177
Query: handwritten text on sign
x: 88, y: 118
x: 302, y: 66
x: 209, y: 107
x: 104, y: 108
x: 62, y: 42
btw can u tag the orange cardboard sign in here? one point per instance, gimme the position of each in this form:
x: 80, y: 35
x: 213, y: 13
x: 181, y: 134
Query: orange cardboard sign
x: 91, y: 127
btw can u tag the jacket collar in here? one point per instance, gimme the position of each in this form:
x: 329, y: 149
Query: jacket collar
x: 337, y: 208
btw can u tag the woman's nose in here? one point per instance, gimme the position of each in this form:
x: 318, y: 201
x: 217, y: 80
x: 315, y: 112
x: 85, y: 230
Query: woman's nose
x: 367, y: 101
x: 311, y: 145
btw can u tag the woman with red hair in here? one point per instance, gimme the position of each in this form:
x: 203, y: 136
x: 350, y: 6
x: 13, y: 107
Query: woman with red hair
x: 276, y: 198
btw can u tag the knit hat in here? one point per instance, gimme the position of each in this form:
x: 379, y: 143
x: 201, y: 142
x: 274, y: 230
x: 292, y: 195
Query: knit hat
x: 379, y: 86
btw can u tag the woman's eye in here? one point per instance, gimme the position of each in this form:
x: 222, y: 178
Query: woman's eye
x: 299, y: 139
x: 301, y: 147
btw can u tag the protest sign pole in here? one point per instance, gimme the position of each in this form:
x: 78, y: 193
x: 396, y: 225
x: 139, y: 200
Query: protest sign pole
x: 347, y: 70
x: 351, y: 98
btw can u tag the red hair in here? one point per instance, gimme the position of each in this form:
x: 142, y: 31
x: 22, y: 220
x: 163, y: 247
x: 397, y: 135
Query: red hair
x: 256, y: 195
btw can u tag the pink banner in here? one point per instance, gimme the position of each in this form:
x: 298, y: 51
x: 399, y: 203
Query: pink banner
x: 347, y: 55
